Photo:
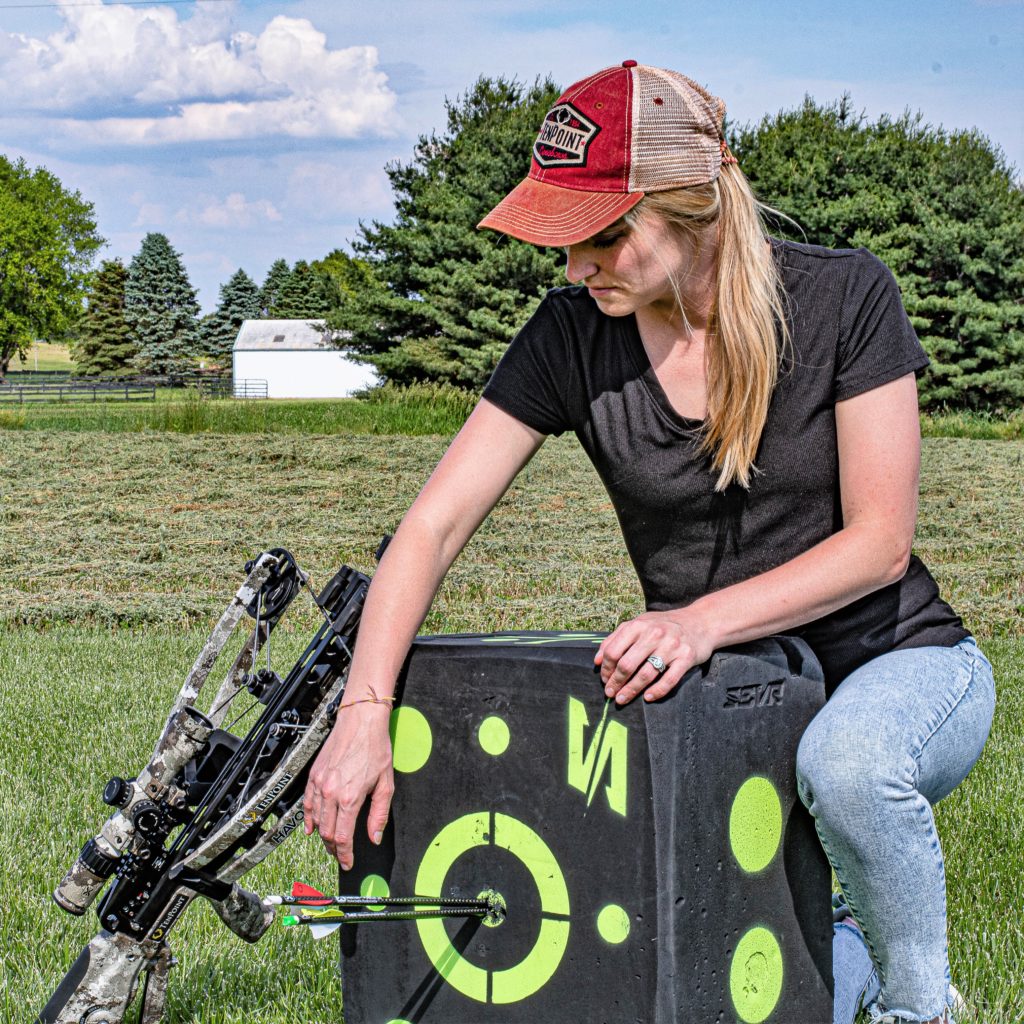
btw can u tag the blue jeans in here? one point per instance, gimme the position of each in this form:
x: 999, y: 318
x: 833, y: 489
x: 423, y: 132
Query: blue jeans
x: 897, y: 736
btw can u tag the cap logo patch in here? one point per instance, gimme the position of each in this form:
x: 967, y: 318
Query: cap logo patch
x: 564, y: 138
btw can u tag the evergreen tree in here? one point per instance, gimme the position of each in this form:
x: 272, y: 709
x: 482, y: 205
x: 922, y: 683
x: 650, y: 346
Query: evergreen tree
x: 161, y: 308
x: 445, y: 299
x: 305, y: 294
x: 104, y: 343
x: 239, y: 300
x: 940, y: 208
x: 277, y: 275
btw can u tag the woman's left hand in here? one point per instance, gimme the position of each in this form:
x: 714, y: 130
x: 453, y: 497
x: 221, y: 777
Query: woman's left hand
x: 675, y: 638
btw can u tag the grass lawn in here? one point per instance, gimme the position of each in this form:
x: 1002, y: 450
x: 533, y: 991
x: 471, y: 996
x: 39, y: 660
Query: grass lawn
x: 119, y: 548
x: 414, y: 411
x: 43, y: 355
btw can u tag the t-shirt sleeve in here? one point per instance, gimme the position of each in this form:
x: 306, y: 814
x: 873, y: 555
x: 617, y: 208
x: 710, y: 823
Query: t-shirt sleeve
x: 877, y: 343
x: 531, y: 380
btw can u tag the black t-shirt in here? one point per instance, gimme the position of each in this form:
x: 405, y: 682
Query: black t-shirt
x: 574, y: 368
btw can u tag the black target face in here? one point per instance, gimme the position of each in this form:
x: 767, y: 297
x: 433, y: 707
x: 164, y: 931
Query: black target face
x: 515, y: 777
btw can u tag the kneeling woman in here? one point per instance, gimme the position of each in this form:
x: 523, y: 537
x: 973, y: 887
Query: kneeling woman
x: 751, y: 408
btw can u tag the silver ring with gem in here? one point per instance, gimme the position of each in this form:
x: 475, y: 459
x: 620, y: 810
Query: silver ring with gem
x: 658, y: 663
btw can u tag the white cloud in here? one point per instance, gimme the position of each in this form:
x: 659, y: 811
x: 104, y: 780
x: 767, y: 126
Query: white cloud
x: 234, y: 211
x: 329, y: 188
x: 184, y: 81
x: 150, y: 215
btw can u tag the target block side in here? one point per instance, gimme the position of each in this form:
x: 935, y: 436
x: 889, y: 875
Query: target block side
x: 745, y: 898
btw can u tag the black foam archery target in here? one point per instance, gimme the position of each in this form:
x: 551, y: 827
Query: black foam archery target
x: 654, y: 861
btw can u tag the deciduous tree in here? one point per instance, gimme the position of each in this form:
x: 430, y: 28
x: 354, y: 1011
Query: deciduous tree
x: 48, y: 240
x: 348, y: 276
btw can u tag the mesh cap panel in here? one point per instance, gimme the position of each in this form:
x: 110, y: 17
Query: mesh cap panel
x: 676, y: 132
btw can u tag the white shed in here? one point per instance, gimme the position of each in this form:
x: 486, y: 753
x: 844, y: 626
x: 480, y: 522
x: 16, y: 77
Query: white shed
x: 297, y: 359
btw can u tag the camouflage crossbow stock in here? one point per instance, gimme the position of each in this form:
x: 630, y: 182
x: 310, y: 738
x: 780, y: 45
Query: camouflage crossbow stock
x: 209, y: 805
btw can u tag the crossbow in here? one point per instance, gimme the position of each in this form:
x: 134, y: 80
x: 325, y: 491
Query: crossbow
x: 210, y: 804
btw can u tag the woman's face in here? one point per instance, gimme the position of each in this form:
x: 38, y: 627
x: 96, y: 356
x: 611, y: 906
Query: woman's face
x: 626, y: 268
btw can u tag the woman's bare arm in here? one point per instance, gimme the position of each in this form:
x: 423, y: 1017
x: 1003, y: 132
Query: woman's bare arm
x: 879, y: 443
x: 355, y: 761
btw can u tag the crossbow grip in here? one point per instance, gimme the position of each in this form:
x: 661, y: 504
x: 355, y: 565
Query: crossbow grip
x: 244, y: 913
x: 100, y: 985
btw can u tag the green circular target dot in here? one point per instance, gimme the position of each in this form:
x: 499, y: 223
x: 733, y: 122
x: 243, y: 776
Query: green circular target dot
x: 374, y: 885
x: 613, y: 924
x: 755, y: 824
x: 493, y: 735
x: 411, y: 739
x: 755, y: 978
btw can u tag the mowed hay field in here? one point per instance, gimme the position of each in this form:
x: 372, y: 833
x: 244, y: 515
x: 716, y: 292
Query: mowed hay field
x: 119, y: 549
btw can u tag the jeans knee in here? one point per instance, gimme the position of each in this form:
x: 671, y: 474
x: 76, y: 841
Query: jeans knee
x: 841, y: 782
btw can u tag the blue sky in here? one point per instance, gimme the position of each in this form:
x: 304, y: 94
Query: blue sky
x: 247, y: 130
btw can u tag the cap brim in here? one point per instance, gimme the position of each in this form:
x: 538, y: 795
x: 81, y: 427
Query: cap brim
x: 544, y: 214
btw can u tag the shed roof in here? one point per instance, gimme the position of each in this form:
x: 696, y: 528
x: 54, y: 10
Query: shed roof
x: 285, y: 336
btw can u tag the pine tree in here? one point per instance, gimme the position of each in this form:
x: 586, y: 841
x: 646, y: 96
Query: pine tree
x: 941, y: 209
x: 104, y: 343
x: 239, y: 300
x: 445, y: 298
x: 305, y: 294
x: 277, y: 275
x: 161, y: 308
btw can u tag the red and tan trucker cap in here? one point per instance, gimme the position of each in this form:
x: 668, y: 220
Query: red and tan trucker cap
x: 609, y: 139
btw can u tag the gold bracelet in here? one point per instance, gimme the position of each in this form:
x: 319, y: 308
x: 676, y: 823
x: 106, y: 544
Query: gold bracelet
x: 372, y: 699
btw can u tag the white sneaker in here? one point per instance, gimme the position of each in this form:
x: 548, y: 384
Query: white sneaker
x: 959, y: 1004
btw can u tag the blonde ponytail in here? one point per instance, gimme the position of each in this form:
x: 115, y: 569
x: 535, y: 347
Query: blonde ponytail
x: 747, y: 332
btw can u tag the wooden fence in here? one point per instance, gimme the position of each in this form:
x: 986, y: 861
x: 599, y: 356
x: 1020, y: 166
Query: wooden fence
x: 59, y: 386
x: 75, y: 391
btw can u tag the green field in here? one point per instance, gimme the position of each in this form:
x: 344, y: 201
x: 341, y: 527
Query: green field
x: 43, y: 355
x: 120, y: 547
x: 416, y: 410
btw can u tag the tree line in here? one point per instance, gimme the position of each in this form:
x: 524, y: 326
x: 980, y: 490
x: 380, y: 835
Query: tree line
x: 427, y: 297
x: 144, y: 318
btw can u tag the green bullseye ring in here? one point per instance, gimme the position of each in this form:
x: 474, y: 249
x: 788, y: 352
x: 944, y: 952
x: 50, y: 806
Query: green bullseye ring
x: 755, y: 978
x: 755, y: 824
x: 532, y: 973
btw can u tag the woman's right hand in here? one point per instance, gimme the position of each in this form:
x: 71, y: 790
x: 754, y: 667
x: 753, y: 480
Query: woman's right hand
x: 354, y: 762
